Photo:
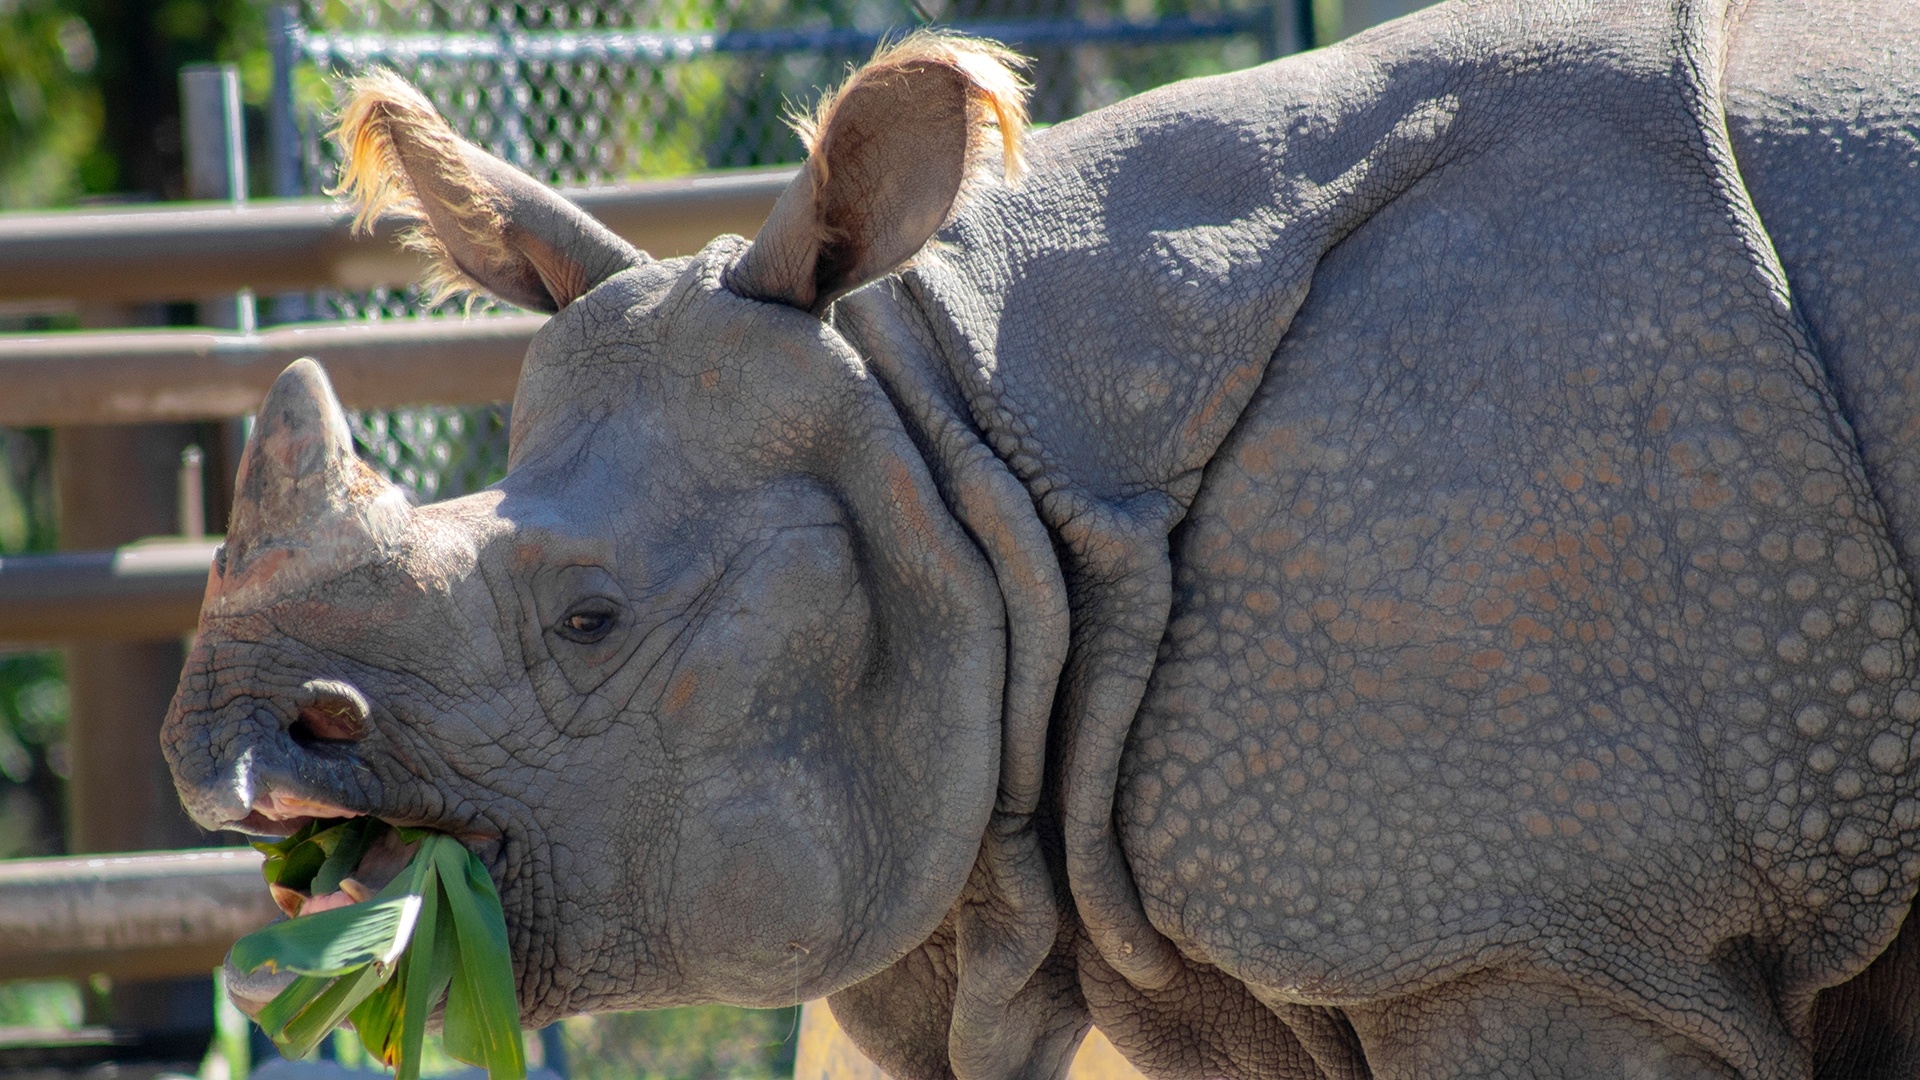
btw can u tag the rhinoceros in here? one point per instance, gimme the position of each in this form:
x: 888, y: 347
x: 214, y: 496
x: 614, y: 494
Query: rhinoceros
x: 1395, y: 562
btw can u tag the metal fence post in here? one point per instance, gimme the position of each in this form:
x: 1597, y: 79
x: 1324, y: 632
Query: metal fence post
x: 283, y: 136
x: 216, y: 159
x: 1305, y: 33
x: 214, y: 135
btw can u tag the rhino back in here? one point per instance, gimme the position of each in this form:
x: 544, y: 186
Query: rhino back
x: 1537, y: 616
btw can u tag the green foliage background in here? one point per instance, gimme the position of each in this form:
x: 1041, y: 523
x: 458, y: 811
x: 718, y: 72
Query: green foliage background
x: 51, y: 124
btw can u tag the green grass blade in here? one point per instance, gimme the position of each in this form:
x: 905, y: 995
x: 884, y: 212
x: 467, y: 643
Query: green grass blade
x: 275, y: 1015
x: 483, y: 1013
x: 432, y: 972
x: 312, y: 1024
x: 292, y: 862
x: 375, y: 1019
x: 351, y: 844
x: 332, y: 942
x: 416, y: 1001
x: 411, y: 881
x: 437, y: 930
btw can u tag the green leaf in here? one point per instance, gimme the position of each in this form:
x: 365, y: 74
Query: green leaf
x: 396, y: 1036
x: 292, y: 861
x: 435, y: 931
x: 374, y: 1019
x: 287, y: 843
x: 332, y: 942
x: 289, y: 1003
x: 429, y: 975
x: 483, y: 1013
x: 307, y: 1027
x: 350, y: 843
x: 411, y: 881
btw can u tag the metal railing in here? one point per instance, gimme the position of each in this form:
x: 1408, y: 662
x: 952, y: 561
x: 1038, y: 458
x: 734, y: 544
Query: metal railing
x: 146, y: 376
x: 128, y: 916
x: 187, y: 252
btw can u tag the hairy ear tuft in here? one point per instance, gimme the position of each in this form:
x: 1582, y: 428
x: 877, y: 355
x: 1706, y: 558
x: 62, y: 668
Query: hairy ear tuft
x: 892, y: 155
x: 482, y: 224
x: 996, y: 102
x: 375, y: 182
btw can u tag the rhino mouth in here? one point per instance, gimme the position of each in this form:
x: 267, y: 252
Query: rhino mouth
x: 379, y: 866
x: 279, y: 815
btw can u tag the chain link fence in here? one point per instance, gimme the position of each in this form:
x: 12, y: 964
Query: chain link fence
x: 590, y: 92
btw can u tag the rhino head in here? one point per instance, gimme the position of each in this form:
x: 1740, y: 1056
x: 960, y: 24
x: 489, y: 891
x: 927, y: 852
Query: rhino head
x: 712, y: 680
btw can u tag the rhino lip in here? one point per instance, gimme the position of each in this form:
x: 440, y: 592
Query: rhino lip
x: 275, y: 813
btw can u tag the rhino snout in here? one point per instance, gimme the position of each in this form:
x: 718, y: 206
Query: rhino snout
x: 268, y: 768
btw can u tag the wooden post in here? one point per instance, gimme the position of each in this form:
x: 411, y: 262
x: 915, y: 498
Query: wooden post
x: 114, y: 485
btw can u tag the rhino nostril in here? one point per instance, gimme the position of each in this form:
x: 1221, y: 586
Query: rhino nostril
x: 336, y: 720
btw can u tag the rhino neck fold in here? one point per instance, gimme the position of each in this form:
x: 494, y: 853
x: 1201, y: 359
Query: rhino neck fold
x: 1102, y: 327
x: 1010, y: 918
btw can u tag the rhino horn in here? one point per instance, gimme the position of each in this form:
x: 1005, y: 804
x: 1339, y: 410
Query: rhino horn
x: 304, y: 503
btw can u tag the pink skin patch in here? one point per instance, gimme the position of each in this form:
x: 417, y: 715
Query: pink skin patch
x: 327, y: 903
x: 278, y: 807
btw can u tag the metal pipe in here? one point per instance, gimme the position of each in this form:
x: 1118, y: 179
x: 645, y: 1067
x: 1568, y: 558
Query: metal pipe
x: 125, y: 377
x: 216, y: 146
x: 283, y: 138
x: 146, y: 591
x: 293, y: 244
x: 656, y: 46
x: 128, y: 916
x: 193, y: 495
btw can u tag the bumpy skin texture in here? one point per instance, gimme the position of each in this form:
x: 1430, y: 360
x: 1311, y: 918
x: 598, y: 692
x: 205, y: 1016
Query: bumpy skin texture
x: 1536, y: 618
x: 1396, y: 563
x: 1597, y: 690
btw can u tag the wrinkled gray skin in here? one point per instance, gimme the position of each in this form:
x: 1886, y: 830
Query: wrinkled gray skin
x: 1397, y: 562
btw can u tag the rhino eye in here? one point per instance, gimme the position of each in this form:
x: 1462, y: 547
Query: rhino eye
x: 586, y: 625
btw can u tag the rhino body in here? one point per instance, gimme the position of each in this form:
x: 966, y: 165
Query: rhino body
x: 1397, y: 562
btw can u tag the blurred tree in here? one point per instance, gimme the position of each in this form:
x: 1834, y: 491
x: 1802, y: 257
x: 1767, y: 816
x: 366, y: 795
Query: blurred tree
x: 50, y: 112
x: 141, y: 45
x: 91, y: 104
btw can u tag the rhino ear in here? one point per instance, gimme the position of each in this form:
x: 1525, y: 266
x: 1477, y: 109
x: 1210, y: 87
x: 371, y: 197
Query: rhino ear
x: 889, y: 156
x: 485, y: 223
